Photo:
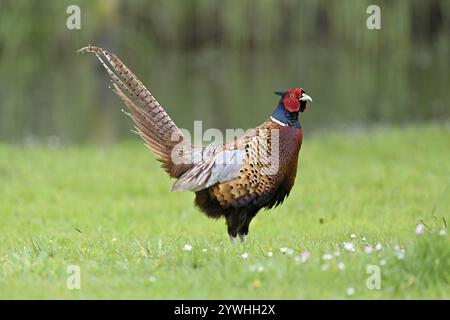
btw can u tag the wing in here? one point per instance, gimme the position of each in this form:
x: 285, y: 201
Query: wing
x: 223, y: 166
x: 258, y: 175
x: 238, y: 173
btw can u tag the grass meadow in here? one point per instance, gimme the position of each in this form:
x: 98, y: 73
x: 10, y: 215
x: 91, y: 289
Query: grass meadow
x: 379, y: 197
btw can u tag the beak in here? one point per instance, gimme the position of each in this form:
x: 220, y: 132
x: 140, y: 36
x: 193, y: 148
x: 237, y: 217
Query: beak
x: 305, y: 97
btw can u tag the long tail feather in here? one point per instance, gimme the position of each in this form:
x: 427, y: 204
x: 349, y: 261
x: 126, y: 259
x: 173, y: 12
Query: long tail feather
x: 153, y: 124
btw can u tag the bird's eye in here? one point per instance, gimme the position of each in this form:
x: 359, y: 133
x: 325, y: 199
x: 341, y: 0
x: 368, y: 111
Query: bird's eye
x: 292, y: 95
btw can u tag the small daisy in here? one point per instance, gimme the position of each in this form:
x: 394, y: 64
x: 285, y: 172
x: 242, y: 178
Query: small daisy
x: 270, y: 254
x: 244, y: 255
x: 187, y: 247
x: 420, y: 229
x: 368, y: 249
x: 349, y: 246
x: 152, y: 279
x: 325, y: 267
x: 382, y: 262
x: 378, y: 247
x: 283, y: 250
x: 304, y: 256
x: 341, y: 266
x: 205, y: 250
x: 260, y: 269
x: 400, y: 254
x: 350, y: 291
x: 442, y: 232
x: 353, y: 236
x: 327, y: 256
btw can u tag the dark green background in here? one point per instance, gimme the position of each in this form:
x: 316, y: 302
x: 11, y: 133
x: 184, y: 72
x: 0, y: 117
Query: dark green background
x: 220, y: 61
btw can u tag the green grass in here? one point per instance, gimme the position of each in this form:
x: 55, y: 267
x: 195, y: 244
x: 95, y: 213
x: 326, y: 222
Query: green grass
x: 109, y: 211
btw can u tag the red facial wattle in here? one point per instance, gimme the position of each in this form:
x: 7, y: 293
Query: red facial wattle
x: 291, y: 100
x: 291, y: 104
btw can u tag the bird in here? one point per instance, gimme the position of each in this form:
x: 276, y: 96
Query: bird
x: 233, y: 180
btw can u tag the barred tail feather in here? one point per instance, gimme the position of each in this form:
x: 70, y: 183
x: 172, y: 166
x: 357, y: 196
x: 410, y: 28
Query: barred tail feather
x: 152, y: 122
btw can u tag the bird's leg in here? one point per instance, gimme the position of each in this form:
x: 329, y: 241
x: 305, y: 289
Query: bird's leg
x: 243, y: 231
x: 233, y: 225
x: 232, y: 233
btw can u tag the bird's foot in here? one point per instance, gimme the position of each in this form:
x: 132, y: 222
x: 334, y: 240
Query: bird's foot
x: 232, y: 240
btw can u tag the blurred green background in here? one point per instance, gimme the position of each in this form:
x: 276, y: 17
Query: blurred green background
x: 220, y: 61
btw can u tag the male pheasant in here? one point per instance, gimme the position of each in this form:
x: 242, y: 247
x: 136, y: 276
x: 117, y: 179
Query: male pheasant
x: 233, y: 180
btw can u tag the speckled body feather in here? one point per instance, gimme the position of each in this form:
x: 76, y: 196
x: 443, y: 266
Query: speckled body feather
x: 240, y: 199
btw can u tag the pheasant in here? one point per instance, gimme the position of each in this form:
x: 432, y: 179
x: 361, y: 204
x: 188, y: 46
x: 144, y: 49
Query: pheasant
x: 233, y: 180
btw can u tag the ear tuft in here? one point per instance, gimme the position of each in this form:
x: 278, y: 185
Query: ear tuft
x: 280, y: 93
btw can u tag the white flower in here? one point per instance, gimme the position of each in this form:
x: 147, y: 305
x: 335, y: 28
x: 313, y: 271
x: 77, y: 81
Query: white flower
x: 353, y: 236
x: 349, y: 246
x: 304, y: 256
x: 205, y: 250
x: 368, y: 249
x: 341, y: 266
x: 382, y: 262
x: 337, y: 254
x: 290, y: 252
x: 152, y: 279
x: 378, y: 247
x: 254, y: 268
x: 270, y: 254
x: 420, y: 229
x: 187, y: 247
x: 283, y: 250
x: 350, y: 291
x: 327, y: 256
x: 442, y: 232
x: 399, y: 253
x: 325, y: 267
x: 244, y: 255
x: 363, y: 239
